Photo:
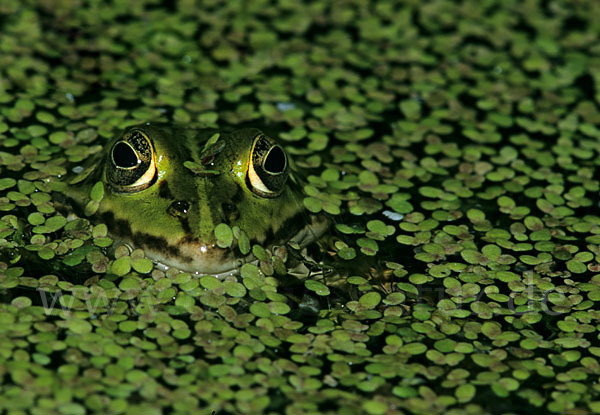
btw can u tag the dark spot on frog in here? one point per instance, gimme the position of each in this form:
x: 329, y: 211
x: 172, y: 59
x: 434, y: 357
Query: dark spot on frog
x: 164, y: 191
x: 178, y: 208
x: 230, y: 211
x: 121, y: 228
x: 158, y: 244
x: 291, y: 226
x: 237, y: 196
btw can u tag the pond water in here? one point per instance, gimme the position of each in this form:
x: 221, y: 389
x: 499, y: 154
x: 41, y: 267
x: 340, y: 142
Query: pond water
x: 452, y: 145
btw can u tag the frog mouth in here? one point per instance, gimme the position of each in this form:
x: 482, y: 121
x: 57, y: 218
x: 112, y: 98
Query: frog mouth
x: 208, y: 259
x: 195, y: 257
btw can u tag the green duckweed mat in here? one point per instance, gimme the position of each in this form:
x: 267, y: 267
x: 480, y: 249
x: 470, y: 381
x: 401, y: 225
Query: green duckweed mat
x: 455, y: 146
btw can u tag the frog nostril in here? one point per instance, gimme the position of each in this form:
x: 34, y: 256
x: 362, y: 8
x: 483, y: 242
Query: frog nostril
x: 230, y: 211
x: 178, y: 208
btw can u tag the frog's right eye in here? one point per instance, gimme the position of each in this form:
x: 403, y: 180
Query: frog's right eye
x: 267, y: 167
x: 131, y: 165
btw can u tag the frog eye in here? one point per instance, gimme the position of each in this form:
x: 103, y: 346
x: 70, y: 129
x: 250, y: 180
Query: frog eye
x: 268, y: 167
x: 131, y: 166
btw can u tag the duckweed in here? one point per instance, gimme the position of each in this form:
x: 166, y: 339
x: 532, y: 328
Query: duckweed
x: 452, y: 145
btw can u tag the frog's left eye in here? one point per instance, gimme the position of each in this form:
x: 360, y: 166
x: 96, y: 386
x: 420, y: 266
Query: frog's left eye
x: 268, y: 167
x: 131, y: 166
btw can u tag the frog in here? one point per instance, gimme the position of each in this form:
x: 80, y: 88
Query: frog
x: 165, y: 188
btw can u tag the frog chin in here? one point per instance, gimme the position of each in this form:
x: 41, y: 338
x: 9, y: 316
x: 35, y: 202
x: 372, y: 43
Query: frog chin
x: 200, y: 259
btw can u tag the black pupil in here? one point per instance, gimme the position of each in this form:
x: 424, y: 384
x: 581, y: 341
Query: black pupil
x: 275, y: 161
x: 124, y: 156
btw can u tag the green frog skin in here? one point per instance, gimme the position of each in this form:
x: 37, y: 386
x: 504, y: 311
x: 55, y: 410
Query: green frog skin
x: 153, y: 201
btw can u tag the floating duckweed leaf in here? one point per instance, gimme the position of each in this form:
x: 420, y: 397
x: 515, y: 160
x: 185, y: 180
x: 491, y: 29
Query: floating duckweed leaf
x: 104, y: 242
x: 317, y: 287
x: 46, y: 253
x: 234, y: 289
x: 370, y: 299
x: 279, y: 308
x: 129, y: 283
x: 212, y: 140
x: 209, y: 282
x: 394, y: 298
x: 45, y: 117
x: 142, y: 265
x: 21, y: 302
x: 37, y: 130
x: 55, y: 223
x: 475, y: 215
x: 26, y: 187
x: 465, y: 393
x: 471, y: 256
x: 348, y: 229
x: 411, y: 108
x: 121, y: 266
x: 367, y: 246
x: 399, y: 204
x: 208, y: 118
x: 356, y: 280
x: 19, y: 198
x: 243, y: 241
x: 91, y: 207
x: 431, y: 192
x: 374, y: 407
x: 505, y: 385
x: 313, y: 204
x: 79, y: 326
x: 212, y: 300
x: 224, y: 235
x: 250, y: 271
x: 36, y: 218
x: 128, y: 326
x: 97, y: 192
x: 492, y: 252
x: 368, y: 178
x: 58, y: 137
x: 182, y: 334
x: 576, y: 266
x: 294, y: 135
x: 260, y: 309
x: 7, y: 183
x: 594, y: 295
x: 330, y: 175
x: 379, y: 227
x: 100, y: 231
x: 533, y: 224
x: 260, y: 253
x: 345, y: 252
x: 414, y: 348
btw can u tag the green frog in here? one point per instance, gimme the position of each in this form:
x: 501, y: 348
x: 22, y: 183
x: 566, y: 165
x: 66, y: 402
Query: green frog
x: 166, y: 188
